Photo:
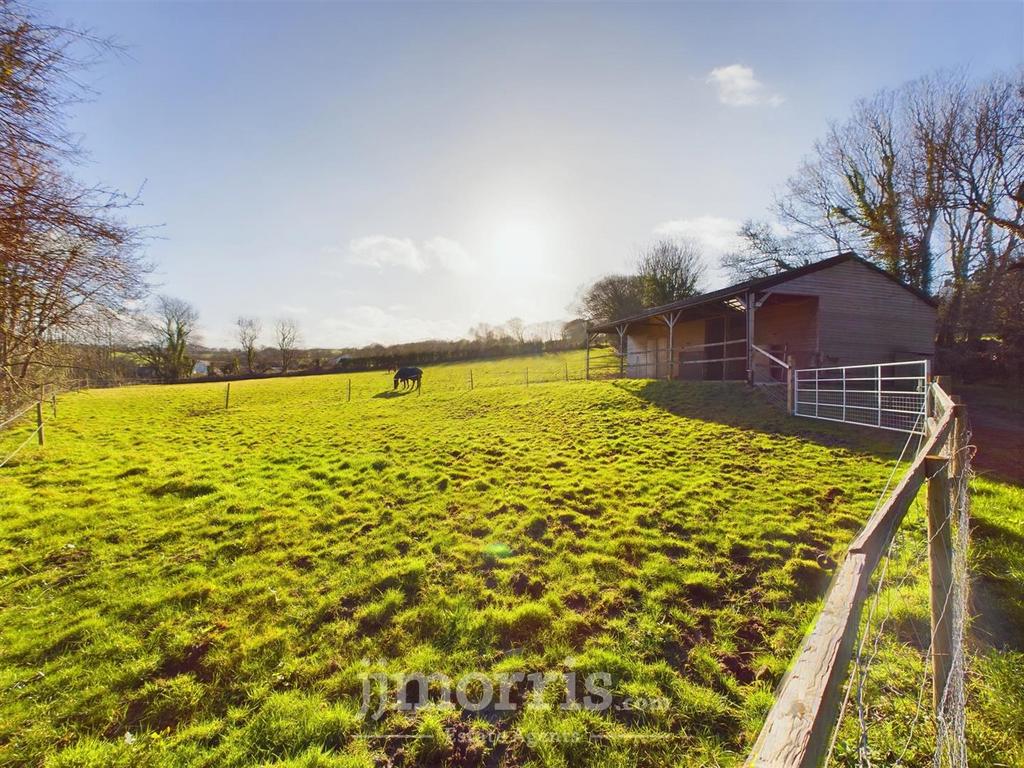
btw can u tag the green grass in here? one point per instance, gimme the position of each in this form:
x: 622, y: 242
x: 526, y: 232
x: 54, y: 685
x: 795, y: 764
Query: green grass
x: 898, y: 691
x: 182, y: 584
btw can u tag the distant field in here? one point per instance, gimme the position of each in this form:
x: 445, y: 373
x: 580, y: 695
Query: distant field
x: 182, y: 584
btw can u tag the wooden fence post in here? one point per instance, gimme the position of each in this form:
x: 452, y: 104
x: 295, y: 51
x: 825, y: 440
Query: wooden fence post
x: 940, y: 567
x: 227, y: 396
x: 527, y: 377
x: 470, y: 379
x: 53, y: 404
x: 566, y: 371
x: 797, y: 729
x: 39, y: 422
x: 349, y: 396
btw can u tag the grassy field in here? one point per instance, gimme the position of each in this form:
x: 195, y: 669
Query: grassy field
x: 182, y: 584
x: 898, y: 688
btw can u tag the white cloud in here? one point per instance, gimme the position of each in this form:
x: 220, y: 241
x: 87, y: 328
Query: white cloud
x: 449, y: 254
x: 382, y: 251
x: 737, y: 87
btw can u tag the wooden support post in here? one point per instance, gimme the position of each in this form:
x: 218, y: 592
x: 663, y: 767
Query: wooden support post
x: 53, y: 404
x: 791, y: 384
x: 670, y: 320
x: 39, y: 422
x: 348, y: 397
x: 586, y: 365
x: 940, y: 562
x: 622, y: 349
x: 227, y: 396
x: 470, y: 379
x: 527, y: 377
x: 671, y: 327
x: 750, y: 339
x: 565, y: 370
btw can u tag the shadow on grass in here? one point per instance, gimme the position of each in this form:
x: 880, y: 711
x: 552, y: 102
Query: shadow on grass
x: 996, y: 605
x: 736, y: 405
x: 389, y: 394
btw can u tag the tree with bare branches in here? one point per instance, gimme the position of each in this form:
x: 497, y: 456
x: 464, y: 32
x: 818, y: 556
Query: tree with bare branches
x: 928, y: 182
x: 69, y: 265
x: 249, y: 330
x: 763, y: 252
x: 288, y: 336
x: 517, y: 329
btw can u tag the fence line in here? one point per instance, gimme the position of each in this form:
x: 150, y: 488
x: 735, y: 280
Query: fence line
x: 11, y: 419
x: 35, y: 433
x: 798, y: 730
x: 39, y: 431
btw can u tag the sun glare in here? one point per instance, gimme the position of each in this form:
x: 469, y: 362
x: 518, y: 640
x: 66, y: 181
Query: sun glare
x: 519, y: 249
x: 519, y: 246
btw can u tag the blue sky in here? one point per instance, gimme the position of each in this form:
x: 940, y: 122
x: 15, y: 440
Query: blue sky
x: 388, y: 172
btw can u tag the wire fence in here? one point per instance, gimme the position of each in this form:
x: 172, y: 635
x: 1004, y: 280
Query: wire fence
x: 47, y: 402
x: 933, y: 730
x: 893, y: 624
x: 363, y: 386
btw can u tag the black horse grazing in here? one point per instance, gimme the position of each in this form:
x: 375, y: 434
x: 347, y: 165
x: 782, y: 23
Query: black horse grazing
x: 409, y: 377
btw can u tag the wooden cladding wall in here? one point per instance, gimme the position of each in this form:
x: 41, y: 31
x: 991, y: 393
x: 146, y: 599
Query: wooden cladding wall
x: 864, y: 317
x: 789, y: 327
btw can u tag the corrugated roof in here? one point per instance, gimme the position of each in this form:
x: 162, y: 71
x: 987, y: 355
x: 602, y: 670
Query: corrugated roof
x: 756, y: 285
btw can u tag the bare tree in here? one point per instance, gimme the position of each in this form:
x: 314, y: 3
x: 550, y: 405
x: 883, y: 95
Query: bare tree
x: 170, y: 333
x: 69, y: 264
x: 764, y: 252
x: 928, y: 181
x: 985, y: 159
x: 286, y: 332
x: 484, y: 333
x: 249, y: 330
x: 866, y: 165
x: 670, y: 270
x: 517, y: 329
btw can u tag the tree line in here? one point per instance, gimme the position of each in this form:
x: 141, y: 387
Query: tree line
x: 172, y: 348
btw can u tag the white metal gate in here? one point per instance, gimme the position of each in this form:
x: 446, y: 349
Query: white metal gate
x: 885, y: 395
